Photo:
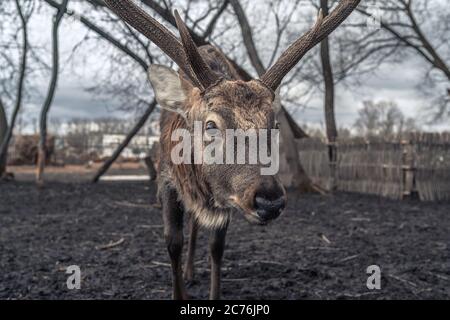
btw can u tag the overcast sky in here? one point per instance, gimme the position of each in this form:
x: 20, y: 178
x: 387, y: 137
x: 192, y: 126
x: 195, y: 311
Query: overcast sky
x: 390, y: 82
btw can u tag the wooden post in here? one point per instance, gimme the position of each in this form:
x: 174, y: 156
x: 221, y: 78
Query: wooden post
x: 332, y: 156
x: 408, y: 169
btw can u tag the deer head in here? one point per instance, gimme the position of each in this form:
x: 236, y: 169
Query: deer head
x: 222, y: 103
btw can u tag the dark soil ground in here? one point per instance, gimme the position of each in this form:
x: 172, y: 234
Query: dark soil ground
x: 319, y: 249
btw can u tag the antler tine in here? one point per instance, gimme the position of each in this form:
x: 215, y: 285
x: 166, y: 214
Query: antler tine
x: 203, y: 72
x: 321, y: 29
x: 128, y: 11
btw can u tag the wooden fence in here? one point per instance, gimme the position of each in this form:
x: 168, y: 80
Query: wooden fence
x: 432, y: 165
x: 314, y: 158
x: 395, y: 169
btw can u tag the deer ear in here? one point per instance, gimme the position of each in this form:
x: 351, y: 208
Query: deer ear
x: 167, y: 86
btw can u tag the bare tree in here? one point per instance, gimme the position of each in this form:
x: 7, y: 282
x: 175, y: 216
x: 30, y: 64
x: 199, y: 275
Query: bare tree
x: 24, y: 18
x: 42, y: 148
x: 327, y: 72
x: 422, y: 27
x: 330, y: 118
x: 129, y: 53
x: 383, y: 119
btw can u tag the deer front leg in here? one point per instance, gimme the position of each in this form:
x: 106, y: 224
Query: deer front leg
x: 189, y: 267
x: 173, y: 233
x: 217, y: 246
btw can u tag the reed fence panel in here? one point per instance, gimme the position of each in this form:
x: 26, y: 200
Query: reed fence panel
x: 432, y: 165
x: 396, y: 169
x: 314, y: 158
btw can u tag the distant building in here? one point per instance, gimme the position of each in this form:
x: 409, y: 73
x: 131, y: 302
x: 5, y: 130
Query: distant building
x: 138, y: 147
x: 82, y: 140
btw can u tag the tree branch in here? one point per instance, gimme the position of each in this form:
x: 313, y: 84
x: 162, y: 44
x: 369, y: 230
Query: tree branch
x: 209, y: 30
x: 103, y: 34
x: 248, y: 38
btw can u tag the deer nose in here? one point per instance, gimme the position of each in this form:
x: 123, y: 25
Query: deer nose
x: 268, y: 209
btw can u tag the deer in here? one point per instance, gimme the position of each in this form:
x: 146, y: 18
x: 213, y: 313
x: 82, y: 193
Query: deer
x: 209, y: 89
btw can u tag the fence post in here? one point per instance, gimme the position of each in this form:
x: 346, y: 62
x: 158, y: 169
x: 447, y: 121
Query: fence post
x: 408, y: 168
x: 332, y: 157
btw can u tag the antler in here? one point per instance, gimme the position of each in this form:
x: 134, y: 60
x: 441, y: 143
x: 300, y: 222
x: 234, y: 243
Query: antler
x: 321, y: 29
x: 204, y: 73
x: 185, y: 55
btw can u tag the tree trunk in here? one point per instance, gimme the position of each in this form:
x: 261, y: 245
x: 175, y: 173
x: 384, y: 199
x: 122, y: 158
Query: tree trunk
x: 125, y: 143
x: 330, y: 118
x: 23, y: 64
x: 291, y: 171
x: 248, y: 38
x: 3, y: 130
x: 42, y: 150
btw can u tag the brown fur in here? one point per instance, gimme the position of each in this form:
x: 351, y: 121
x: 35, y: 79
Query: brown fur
x: 211, y: 193
x: 248, y: 104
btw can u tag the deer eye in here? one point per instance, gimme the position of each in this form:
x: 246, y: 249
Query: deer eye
x: 210, y: 125
x: 277, y: 125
